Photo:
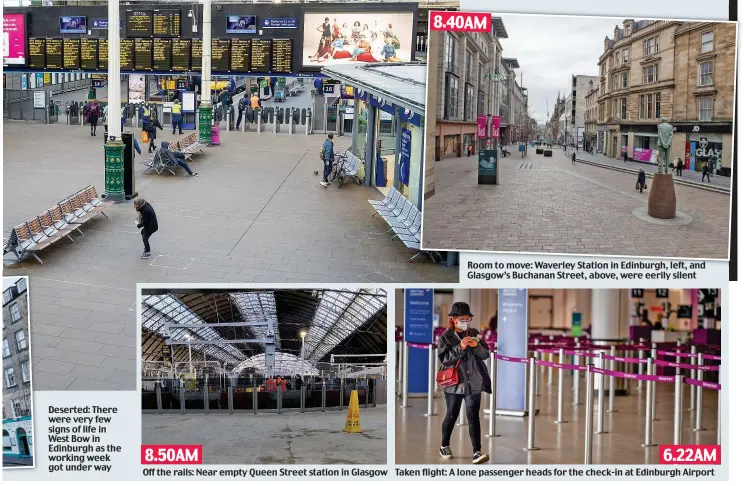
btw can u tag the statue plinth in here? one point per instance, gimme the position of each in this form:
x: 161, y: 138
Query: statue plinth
x: 662, y: 201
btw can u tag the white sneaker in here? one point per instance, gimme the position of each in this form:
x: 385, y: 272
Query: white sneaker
x: 323, y: 183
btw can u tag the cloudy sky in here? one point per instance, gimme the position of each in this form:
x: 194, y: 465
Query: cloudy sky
x: 552, y: 48
x: 9, y: 281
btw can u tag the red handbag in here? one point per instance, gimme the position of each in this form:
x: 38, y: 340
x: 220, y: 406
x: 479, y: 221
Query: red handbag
x: 448, y: 377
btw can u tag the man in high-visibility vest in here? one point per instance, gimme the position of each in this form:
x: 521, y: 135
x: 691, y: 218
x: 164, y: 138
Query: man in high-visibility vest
x: 177, y: 118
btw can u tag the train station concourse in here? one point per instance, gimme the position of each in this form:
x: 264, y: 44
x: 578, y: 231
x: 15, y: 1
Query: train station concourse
x: 557, y: 376
x: 270, y: 376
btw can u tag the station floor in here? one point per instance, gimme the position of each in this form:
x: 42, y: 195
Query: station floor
x: 255, y: 215
x: 289, y: 438
x: 417, y: 438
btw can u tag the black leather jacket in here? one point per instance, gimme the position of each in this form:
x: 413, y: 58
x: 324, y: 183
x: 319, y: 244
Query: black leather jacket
x: 472, y: 370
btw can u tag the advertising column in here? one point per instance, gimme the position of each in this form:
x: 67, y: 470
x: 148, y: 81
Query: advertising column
x: 511, y: 391
x: 418, y: 334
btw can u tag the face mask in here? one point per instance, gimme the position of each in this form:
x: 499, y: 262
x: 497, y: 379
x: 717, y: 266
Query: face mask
x: 462, y: 325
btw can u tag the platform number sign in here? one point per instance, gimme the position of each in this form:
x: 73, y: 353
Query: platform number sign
x: 636, y: 293
x: 662, y: 293
x: 707, y: 295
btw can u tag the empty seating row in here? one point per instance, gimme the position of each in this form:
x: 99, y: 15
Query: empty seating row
x: 404, y: 220
x: 54, y: 224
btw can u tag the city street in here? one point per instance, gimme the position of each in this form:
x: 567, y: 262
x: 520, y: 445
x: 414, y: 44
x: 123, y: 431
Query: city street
x: 547, y: 205
x: 256, y: 214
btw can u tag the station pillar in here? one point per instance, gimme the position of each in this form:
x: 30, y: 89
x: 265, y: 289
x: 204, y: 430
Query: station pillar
x: 114, y: 147
x: 205, y: 106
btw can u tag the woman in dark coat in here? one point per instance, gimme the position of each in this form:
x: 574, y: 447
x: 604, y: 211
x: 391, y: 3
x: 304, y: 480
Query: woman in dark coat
x: 641, y: 182
x: 464, y: 347
x: 94, y: 113
x: 152, y: 132
x: 147, y: 221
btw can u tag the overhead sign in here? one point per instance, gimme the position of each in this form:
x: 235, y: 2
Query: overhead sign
x: 405, y: 156
x: 419, y: 316
x: 279, y: 23
x: 102, y: 24
x: 576, y: 324
x: 512, y: 341
x: 14, y: 39
x: 662, y: 293
x: 636, y: 293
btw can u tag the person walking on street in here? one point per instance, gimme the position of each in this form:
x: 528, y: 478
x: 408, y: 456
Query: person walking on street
x: 327, y: 156
x: 147, y: 221
x: 151, y: 127
x: 680, y: 166
x: 94, y: 112
x: 625, y: 156
x: 573, y: 158
x: 641, y: 181
x: 706, y: 173
x: 177, y: 118
x: 243, y: 104
x: 462, y: 347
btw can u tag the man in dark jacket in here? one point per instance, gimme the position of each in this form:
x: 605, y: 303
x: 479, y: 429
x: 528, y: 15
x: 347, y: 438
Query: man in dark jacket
x: 176, y: 158
x: 327, y: 159
x: 152, y: 131
x: 147, y: 221
x: 243, y: 104
x: 463, y: 347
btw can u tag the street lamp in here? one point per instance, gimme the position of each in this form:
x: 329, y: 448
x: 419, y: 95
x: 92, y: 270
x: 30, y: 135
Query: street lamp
x: 303, y: 333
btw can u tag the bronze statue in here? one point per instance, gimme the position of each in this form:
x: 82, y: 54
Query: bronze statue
x: 666, y: 131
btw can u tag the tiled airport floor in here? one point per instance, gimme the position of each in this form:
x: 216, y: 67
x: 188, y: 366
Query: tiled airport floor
x: 289, y: 438
x: 548, y: 205
x: 255, y: 214
x: 417, y: 438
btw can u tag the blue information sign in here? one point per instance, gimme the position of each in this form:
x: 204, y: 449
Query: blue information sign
x: 512, y: 341
x: 405, y: 156
x: 419, y: 316
x: 102, y: 24
x: 280, y: 23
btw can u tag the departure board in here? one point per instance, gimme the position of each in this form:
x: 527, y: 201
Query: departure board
x: 143, y: 54
x: 220, y: 55
x: 281, y: 55
x: 196, y: 54
x: 126, y: 54
x: 71, y: 53
x: 89, y: 54
x: 166, y: 23
x: 36, y: 54
x: 260, y: 53
x: 240, y: 55
x: 139, y: 23
x: 54, y: 53
x: 181, y: 59
x: 161, y: 54
x: 103, y: 54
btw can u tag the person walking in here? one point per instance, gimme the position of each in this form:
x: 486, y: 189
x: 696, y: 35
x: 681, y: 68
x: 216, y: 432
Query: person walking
x: 177, y: 118
x: 706, y: 172
x: 625, y: 156
x: 151, y: 127
x: 255, y: 101
x: 641, y: 181
x: 680, y: 167
x: 573, y: 158
x: 327, y: 156
x: 94, y: 112
x: 147, y: 221
x: 463, y: 348
x: 243, y: 104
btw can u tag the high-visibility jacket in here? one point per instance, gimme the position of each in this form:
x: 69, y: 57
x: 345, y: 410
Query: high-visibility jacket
x: 146, y: 112
x: 177, y: 108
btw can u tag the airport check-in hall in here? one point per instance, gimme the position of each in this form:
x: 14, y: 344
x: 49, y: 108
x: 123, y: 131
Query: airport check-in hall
x: 266, y: 376
x: 576, y: 376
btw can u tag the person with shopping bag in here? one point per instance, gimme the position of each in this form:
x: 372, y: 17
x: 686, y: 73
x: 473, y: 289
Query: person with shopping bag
x: 462, y: 352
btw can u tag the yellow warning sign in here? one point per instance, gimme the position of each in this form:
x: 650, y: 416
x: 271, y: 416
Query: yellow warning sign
x: 352, y: 418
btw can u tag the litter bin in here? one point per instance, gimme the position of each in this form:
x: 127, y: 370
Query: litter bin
x: 215, y: 134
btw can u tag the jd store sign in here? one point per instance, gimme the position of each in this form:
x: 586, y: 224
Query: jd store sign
x: 705, y: 150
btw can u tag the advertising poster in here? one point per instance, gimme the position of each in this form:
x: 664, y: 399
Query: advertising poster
x: 512, y: 341
x: 136, y: 88
x: 481, y: 124
x: 14, y: 39
x: 405, y: 156
x: 487, y: 166
x: 331, y: 38
x: 495, y: 126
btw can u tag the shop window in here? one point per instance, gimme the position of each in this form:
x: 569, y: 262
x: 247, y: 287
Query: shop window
x: 10, y: 380
x: 6, y: 348
x: 623, y: 108
x: 705, y: 109
x: 705, y: 73
x: 657, y: 111
x: 624, y: 79
x: 25, y: 372
x: 650, y: 73
x: 451, y: 91
x: 706, y: 42
x: 21, y: 340
x: 15, y: 312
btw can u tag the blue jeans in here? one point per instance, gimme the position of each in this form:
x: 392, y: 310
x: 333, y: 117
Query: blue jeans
x: 327, y: 166
x: 183, y: 164
x: 177, y: 122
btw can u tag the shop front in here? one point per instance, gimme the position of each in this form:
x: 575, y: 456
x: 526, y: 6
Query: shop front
x: 704, y: 144
x: 17, y: 438
x: 453, y: 138
x: 387, y: 130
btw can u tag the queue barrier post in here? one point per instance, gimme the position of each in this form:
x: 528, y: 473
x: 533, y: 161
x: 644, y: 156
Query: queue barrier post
x: 159, y: 397
x: 718, y: 435
x: 589, y: 426
x: 627, y: 367
x: 561, y: 374
x: 492, y: 400
x: 678, y: 390
x: 611, y: 406
x: 323, y: 398
x: 601, y: 394
x: 699, y: 398
x: 255, y: 399
x: 640, y: 367
x: 576, y: 379
x: 652, y: 371
x: 430, y: 387
x: 531, y: 404
x: 550, y: 371
x: 404, y: 391
x: 694, y: 361
x: 649, y: 429
x: 399, y: 366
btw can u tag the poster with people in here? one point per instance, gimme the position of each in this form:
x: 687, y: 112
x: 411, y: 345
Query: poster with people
x: 331, y: 38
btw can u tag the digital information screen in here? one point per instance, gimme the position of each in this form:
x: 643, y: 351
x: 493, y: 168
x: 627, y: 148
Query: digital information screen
x: 71, y: 51
x: 36, y: 57
x: 181, y: 59
x: 126, y: 54
x: 240, y: 55
x: 220, y: 55
x: 281, y: 55
x: 166, y: 23
x: 161, y: 54
x: 139, y: 23
x: 143, y: 54
x: 54, y: 53
x: 103, y: 54
x: 260, y: 53
x: 196, y: 54
x: 89, y: 54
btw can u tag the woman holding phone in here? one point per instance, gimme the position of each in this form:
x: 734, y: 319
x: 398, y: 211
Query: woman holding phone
x: 462, y: 347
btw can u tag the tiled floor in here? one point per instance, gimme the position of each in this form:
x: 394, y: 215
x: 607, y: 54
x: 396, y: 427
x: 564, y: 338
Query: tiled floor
x: 289, y: 438
x: 556, y: 207
x: 417, y: 438
x: 256, y: 213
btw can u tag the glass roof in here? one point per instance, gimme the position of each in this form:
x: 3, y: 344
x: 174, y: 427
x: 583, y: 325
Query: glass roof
x: 258, y: 307
x: 285, y: 364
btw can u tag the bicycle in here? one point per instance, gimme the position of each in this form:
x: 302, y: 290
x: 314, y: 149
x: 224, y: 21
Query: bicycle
x: 337, y: 168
